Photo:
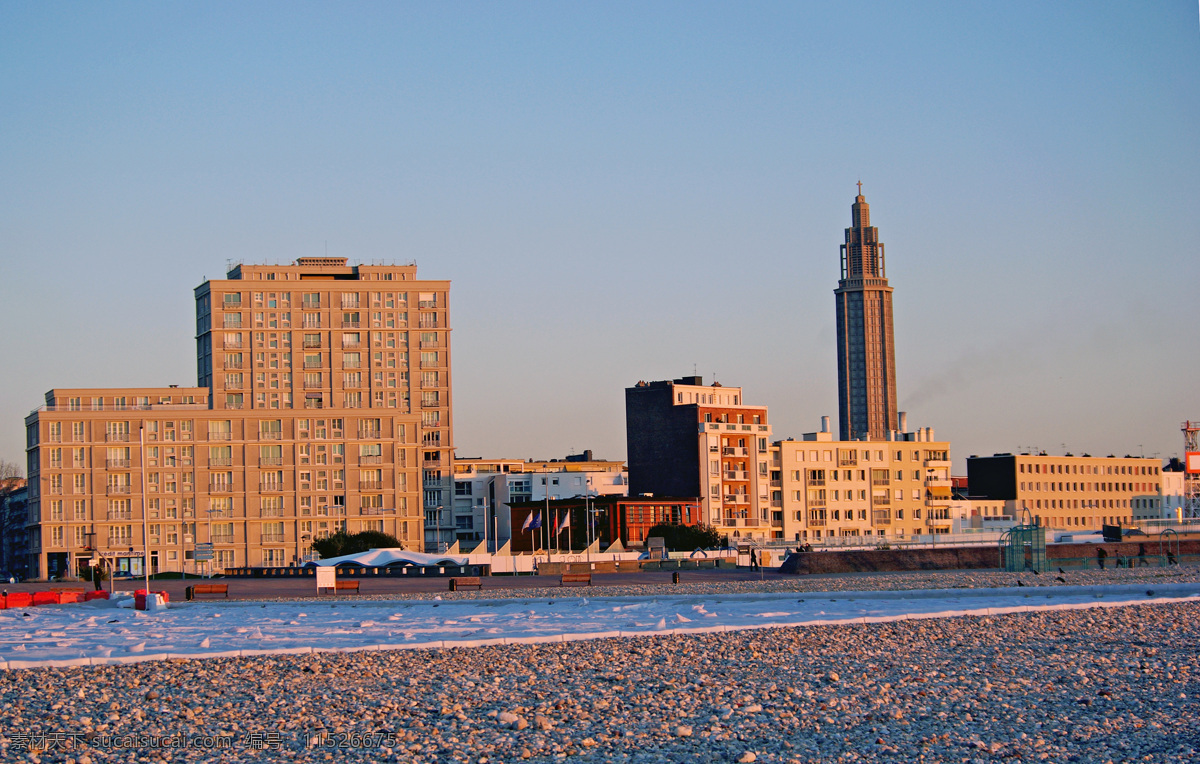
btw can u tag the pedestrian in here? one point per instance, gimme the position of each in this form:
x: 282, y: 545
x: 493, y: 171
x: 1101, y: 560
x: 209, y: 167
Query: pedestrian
x: 753, y: 560
x: 1101, y: 556
x: 1141, y: 555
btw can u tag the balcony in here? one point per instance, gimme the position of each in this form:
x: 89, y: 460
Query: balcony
x: 270, y: 486
x: 312, y: 364
x: 270, y: 461
x: 270, y: 435
x: 119, y: 514
x: 350, y: 364
x: 220, y: 487
x: 220, y: 513
x: 370, y: 485
x: 735, y: 475
x: 881, y: 518
x: 222, y: 538
x: 937, y: 482
x: 430, y: 344
x: 431, y: 464
x: 430, y: 364
x: 234, y: 385
x: 370, y: 459
x: 430, y: 404
x: 816, y: 481
x: 847, y: 462
x: 272, y: 538
x: 351, y: 325
x: 270, y: 512
x: 814, y: 523
x: 881, y: 500
x: 311, y: 304
x: 880, y: 481
x: 777, y: 503
x: 369, y: 433
x: 777, y: 484
x: 220, y: 461
x: 220, y: 436
x: 229, y: 304
x: 118, y: 490
x: 233, y: 365
x: 313, y: 384
x: 117, y: 463
x: 116, y: 437
x: 376, y: 511
x: 312, y: 343
x: 354, y: 304
x: 351, y: 344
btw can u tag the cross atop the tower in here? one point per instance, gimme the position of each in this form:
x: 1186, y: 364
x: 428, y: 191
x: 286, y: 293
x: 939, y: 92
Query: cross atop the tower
x: 860, y: 188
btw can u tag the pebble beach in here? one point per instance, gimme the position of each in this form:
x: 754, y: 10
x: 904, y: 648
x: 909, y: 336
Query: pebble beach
x: 1111, y: 684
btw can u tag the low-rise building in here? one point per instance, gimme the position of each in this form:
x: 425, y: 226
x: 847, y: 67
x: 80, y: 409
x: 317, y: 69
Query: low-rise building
x: 625, y: 518
x: 1069, y: 491
x: 483, y: 489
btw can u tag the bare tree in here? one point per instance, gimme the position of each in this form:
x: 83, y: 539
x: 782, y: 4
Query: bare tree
x: 10, y: 470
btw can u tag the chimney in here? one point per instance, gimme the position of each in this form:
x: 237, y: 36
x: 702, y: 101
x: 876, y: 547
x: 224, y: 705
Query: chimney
x: 824, y: 424
x: 903, y: 421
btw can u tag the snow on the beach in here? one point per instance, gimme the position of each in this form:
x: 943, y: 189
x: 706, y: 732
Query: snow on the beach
x: 102, y: 632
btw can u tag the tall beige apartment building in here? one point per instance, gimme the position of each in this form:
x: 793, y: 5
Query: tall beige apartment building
x: 825, y: 487
x: 310, y: 416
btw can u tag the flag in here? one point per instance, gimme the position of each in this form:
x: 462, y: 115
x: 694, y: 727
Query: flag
x: 565, y: 522
x: 537, y: 520
x: 528, y: 522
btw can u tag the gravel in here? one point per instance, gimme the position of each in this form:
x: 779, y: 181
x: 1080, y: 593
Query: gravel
x: 1117, y: 684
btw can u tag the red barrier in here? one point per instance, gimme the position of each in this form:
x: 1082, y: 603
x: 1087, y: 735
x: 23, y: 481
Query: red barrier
x: 68, y: 597
x: 47, y: 598
x: 97, y: 595
x: 18, y: 599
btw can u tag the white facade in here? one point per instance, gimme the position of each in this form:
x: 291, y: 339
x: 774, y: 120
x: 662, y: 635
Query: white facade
x: 1171, y: 499
x: 483, y: 490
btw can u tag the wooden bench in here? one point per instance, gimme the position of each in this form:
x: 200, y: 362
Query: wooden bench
x: 576, y: 578
x: 72, y: 589
x: 344, y: 586
x: 191, y: 592
x: 461, y: 581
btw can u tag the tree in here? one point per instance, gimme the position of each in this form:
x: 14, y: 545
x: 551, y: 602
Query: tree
x: 342, y: 543
x: 10, y: 470
x: 684, y: 538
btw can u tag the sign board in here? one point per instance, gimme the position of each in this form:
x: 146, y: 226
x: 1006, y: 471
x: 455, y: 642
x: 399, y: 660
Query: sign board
x: 326, y: 578
x: 204, y: 551
x: 1193, y: 462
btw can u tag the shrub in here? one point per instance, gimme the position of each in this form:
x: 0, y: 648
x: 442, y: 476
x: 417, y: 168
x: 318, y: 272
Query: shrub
x: 684, y: 538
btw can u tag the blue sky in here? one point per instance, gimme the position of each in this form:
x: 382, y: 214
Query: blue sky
x: 622, y: 191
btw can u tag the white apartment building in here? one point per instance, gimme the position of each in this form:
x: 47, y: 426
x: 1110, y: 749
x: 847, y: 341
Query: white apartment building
x: 483, y: 489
